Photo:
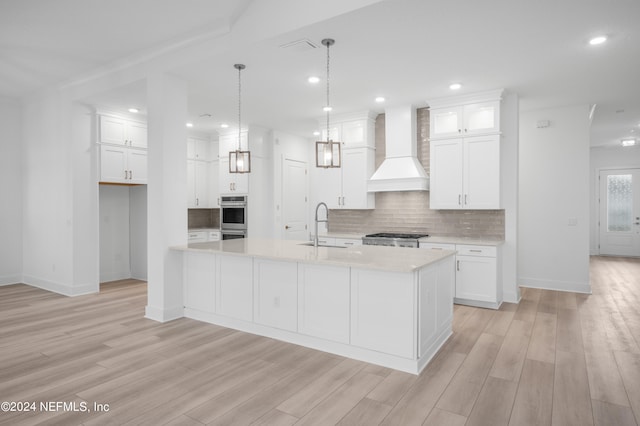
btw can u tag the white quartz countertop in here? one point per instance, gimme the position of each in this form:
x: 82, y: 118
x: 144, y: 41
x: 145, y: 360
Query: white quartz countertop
x: 393, y: 259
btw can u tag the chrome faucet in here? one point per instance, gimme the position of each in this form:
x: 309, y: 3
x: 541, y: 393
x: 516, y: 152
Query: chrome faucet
x: 326, y: 220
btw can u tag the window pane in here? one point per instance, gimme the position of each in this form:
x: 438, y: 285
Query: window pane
x: 619, y: 203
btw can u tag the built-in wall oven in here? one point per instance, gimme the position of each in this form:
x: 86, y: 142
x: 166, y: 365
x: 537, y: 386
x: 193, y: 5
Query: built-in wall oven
x: 233, y: 216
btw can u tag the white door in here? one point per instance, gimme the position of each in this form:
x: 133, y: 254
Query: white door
x: 620, y: 212
x: 294, y: 200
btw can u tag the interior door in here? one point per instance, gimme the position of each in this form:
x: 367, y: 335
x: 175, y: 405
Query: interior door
x: 620, y: 212
x: 294, y: 200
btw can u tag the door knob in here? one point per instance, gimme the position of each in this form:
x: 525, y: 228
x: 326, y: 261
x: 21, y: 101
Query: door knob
x: 286, y: 227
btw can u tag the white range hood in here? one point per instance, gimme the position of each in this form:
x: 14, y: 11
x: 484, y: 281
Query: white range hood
x: 400, y: 170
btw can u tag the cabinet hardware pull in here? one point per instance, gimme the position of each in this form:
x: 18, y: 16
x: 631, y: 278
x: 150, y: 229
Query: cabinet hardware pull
x: 125, y: 174
x: 459, y: 199
x: 465, y: 130
x: 465, y: 199
x: 197, y: 201
x: 457, y: 265
x: 130, y: 174
x: 459, y: 130
x: 476, y: 251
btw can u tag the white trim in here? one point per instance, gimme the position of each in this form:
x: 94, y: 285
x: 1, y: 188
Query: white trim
x: 10, y: 279
x: 60, y: 288
x: 163, y: 315
x: 448, y: 101
x: 412, y: 366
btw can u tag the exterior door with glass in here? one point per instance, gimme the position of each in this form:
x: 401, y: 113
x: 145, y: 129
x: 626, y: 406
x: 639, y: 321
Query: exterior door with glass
x: 620, y: 212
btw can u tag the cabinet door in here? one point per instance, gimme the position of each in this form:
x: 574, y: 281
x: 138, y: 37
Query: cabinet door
x: 327, y: 186
x: 354, y: 133
x: 137, y: 164
x: 383, y: 312
x: 357, y: 168
x: 136, y: 134
x: 200, y: 278
x: 234, y: 287
x: 445, y: 190
x: 191, y: 184
x: 335, y: 132
x: 445, y: 122
x: 113, y: 164
x: 202, y: 184
x: 214, y: 185
x: 275, y: 293
x: 347, y: 242
x: 232, y: 183
x: 482, y: 172
x: 482, y: 118
x: 323, y: 302
x: 476, y: 278
x: 112, y: 130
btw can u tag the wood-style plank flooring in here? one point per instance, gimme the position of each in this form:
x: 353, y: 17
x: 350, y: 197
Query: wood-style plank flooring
x: 555, y: 359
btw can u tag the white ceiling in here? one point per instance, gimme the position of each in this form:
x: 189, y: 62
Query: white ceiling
x: 406, y: 50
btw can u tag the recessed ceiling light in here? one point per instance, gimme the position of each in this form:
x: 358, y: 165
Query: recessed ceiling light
x: 224, y: 125
x: 327, y: 109
x: 313, y: 79
x: 189, y: 124
x: 134, y: 110
x: 380, y: 99
x: 316, y: 133
x: 628, y: 142
x: 597, y: 40
x: 455, y: 86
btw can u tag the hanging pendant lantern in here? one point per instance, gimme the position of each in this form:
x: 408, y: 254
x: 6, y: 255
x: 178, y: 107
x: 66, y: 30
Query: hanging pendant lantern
x: 239, y: 160
x: 328, y: 152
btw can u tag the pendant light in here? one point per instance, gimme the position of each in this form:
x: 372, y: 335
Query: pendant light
x: 239, y: 160
x: 328, y: 152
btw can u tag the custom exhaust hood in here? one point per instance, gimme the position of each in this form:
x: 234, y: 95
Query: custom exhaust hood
x: 400, y: 170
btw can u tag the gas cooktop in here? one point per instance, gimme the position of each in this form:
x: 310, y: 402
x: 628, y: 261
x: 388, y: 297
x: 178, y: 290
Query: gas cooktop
x: 392, y: 239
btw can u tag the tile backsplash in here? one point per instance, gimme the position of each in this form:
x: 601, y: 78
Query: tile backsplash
x: 409, y: 211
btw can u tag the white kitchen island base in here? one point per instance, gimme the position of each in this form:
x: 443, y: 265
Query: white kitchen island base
x: 387, y: 306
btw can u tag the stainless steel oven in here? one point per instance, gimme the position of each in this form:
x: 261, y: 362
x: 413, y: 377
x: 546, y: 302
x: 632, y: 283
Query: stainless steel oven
x: 233, y: 234
x: 233, y: 213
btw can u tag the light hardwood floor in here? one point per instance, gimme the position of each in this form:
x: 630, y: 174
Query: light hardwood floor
x: 555, y: 359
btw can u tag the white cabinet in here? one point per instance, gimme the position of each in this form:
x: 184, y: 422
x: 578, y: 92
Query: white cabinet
x: 470, y: 119
x: 347, y: 242
x: 200, y: 278
x: 231, y: 183
x: 199, y: 149
x: 383, y: 312
x: 465, y: 173
x: 123, y: 165
x: 199, y: 183
x: 323, y: 302
x: 203, y: 236
x: 275, y: 291
x: 477, y: 282
x: 346, y: 187
x: 234, y: 287
x: 120, y: 131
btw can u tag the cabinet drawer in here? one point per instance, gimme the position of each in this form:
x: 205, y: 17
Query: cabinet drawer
x: 214, y: 235
x: 197, y: 236
x: 347, y: 242
x: 483, y: 251
x: 436, y: 246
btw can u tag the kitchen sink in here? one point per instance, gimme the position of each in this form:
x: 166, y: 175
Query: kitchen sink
x: 310, y: 244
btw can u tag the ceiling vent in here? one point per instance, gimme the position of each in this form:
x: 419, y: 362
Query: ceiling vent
x: 301, y: 45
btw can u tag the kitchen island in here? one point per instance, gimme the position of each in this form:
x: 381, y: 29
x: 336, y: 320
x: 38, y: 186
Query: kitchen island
x: 388, y: 306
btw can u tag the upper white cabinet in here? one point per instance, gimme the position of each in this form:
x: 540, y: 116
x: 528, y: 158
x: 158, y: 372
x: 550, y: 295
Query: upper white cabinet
x: 123, y: 165
x: 199, y: 149
x: 346, y: 187
x: 472, y: 119
x: 231, y: 183
x: 465, y: 152
x: 120, y: 131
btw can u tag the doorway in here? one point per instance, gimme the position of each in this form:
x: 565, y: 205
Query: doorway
x: 619, y: 211
x: 294, y: 200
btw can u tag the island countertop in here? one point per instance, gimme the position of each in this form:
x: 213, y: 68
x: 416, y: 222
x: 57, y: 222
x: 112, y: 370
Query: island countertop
x: 393, y: 259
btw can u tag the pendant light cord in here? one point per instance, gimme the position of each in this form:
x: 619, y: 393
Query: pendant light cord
x: 328, y: 104
x: 239, y: 109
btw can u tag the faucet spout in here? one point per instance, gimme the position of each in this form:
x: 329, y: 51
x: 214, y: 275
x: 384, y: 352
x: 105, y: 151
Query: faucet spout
x: 326, y: 220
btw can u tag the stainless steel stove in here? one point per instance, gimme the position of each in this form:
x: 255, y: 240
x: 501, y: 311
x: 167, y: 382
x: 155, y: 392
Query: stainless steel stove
x: 392, y: 239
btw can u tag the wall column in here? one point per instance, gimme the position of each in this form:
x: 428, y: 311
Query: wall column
x: 166, y: 194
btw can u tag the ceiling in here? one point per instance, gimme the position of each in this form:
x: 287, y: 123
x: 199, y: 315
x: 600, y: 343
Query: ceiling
x: 406, y: 50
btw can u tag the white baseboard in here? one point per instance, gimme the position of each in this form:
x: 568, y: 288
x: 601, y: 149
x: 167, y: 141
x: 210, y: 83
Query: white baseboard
x: 60, y: 288
x: 163, y: 315
x: 10, y: 279
x: 572, y: 286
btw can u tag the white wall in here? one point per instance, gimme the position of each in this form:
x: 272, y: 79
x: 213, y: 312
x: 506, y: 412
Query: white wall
x: 138, y: 231
x: 606, y: 158
x: 114, y: 233
x: 11, y: 190
x: 553, y: 194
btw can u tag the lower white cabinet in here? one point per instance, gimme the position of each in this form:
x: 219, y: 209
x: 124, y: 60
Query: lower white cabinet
x: 323, y: 300
x: 275, y: 292
x: 200, y: 274
x: 477, y: 282
x: 234, y: 287
x: 382, y: 312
